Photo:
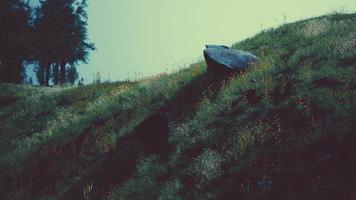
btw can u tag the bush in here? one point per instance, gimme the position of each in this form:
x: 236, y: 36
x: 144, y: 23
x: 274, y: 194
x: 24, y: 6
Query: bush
x: 207, y: 167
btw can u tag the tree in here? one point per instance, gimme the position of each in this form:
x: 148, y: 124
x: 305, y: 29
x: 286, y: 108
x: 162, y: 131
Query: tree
x: 72, y: 74
x: 55, y: 74
x: 47, y: 33
x: 78, y: 47
x: 14, y: 39
x: 40, y: 74
x: 62, y: 25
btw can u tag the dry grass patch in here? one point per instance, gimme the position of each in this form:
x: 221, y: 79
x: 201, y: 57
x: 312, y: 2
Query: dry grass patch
x: 315, y: 27
x: 346, y: 44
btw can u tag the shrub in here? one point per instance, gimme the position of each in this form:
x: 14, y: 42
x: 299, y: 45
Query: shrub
x: 207, y: 167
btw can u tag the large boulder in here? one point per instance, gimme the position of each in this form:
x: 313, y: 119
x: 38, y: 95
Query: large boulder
x: 222, y: 59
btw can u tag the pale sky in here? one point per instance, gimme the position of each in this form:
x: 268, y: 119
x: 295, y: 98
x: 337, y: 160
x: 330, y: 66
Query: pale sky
x: 151, y: 36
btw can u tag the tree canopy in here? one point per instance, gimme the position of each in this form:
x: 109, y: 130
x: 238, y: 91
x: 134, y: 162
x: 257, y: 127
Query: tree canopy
x: 14, y: 39
x: 56, y: 40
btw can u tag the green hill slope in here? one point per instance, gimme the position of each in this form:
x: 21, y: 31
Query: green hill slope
x: 283, y: 130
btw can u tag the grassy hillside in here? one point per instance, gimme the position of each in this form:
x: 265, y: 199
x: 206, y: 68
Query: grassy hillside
x: 285, y: 129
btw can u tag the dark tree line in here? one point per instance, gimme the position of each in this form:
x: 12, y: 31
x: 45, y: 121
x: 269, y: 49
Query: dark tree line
x: 53, y: 36
x: 14, y: 40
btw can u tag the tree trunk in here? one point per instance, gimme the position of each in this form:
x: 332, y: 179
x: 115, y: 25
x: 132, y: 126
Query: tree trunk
x: 63, y: 72
x: 40, y: 73
x: 56, y: 73
x: 47, y: 76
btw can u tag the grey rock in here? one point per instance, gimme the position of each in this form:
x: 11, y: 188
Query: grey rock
x: 217, y: 47
x: 222, y: 59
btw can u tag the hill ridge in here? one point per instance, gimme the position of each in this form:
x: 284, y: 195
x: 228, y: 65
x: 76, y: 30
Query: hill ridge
x: 280, y: 136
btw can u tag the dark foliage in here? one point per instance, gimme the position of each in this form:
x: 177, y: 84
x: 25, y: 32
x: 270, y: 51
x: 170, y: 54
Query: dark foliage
x: 61, y: 28
x: 52, y: 36
x: 14, y: 39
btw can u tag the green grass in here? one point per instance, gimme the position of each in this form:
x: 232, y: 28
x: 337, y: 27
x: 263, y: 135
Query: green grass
x: 281, y: 136
x: 43, y: 121
x: 304, y: 95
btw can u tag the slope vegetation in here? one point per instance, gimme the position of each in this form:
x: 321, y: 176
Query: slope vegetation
x: 285, y: 129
